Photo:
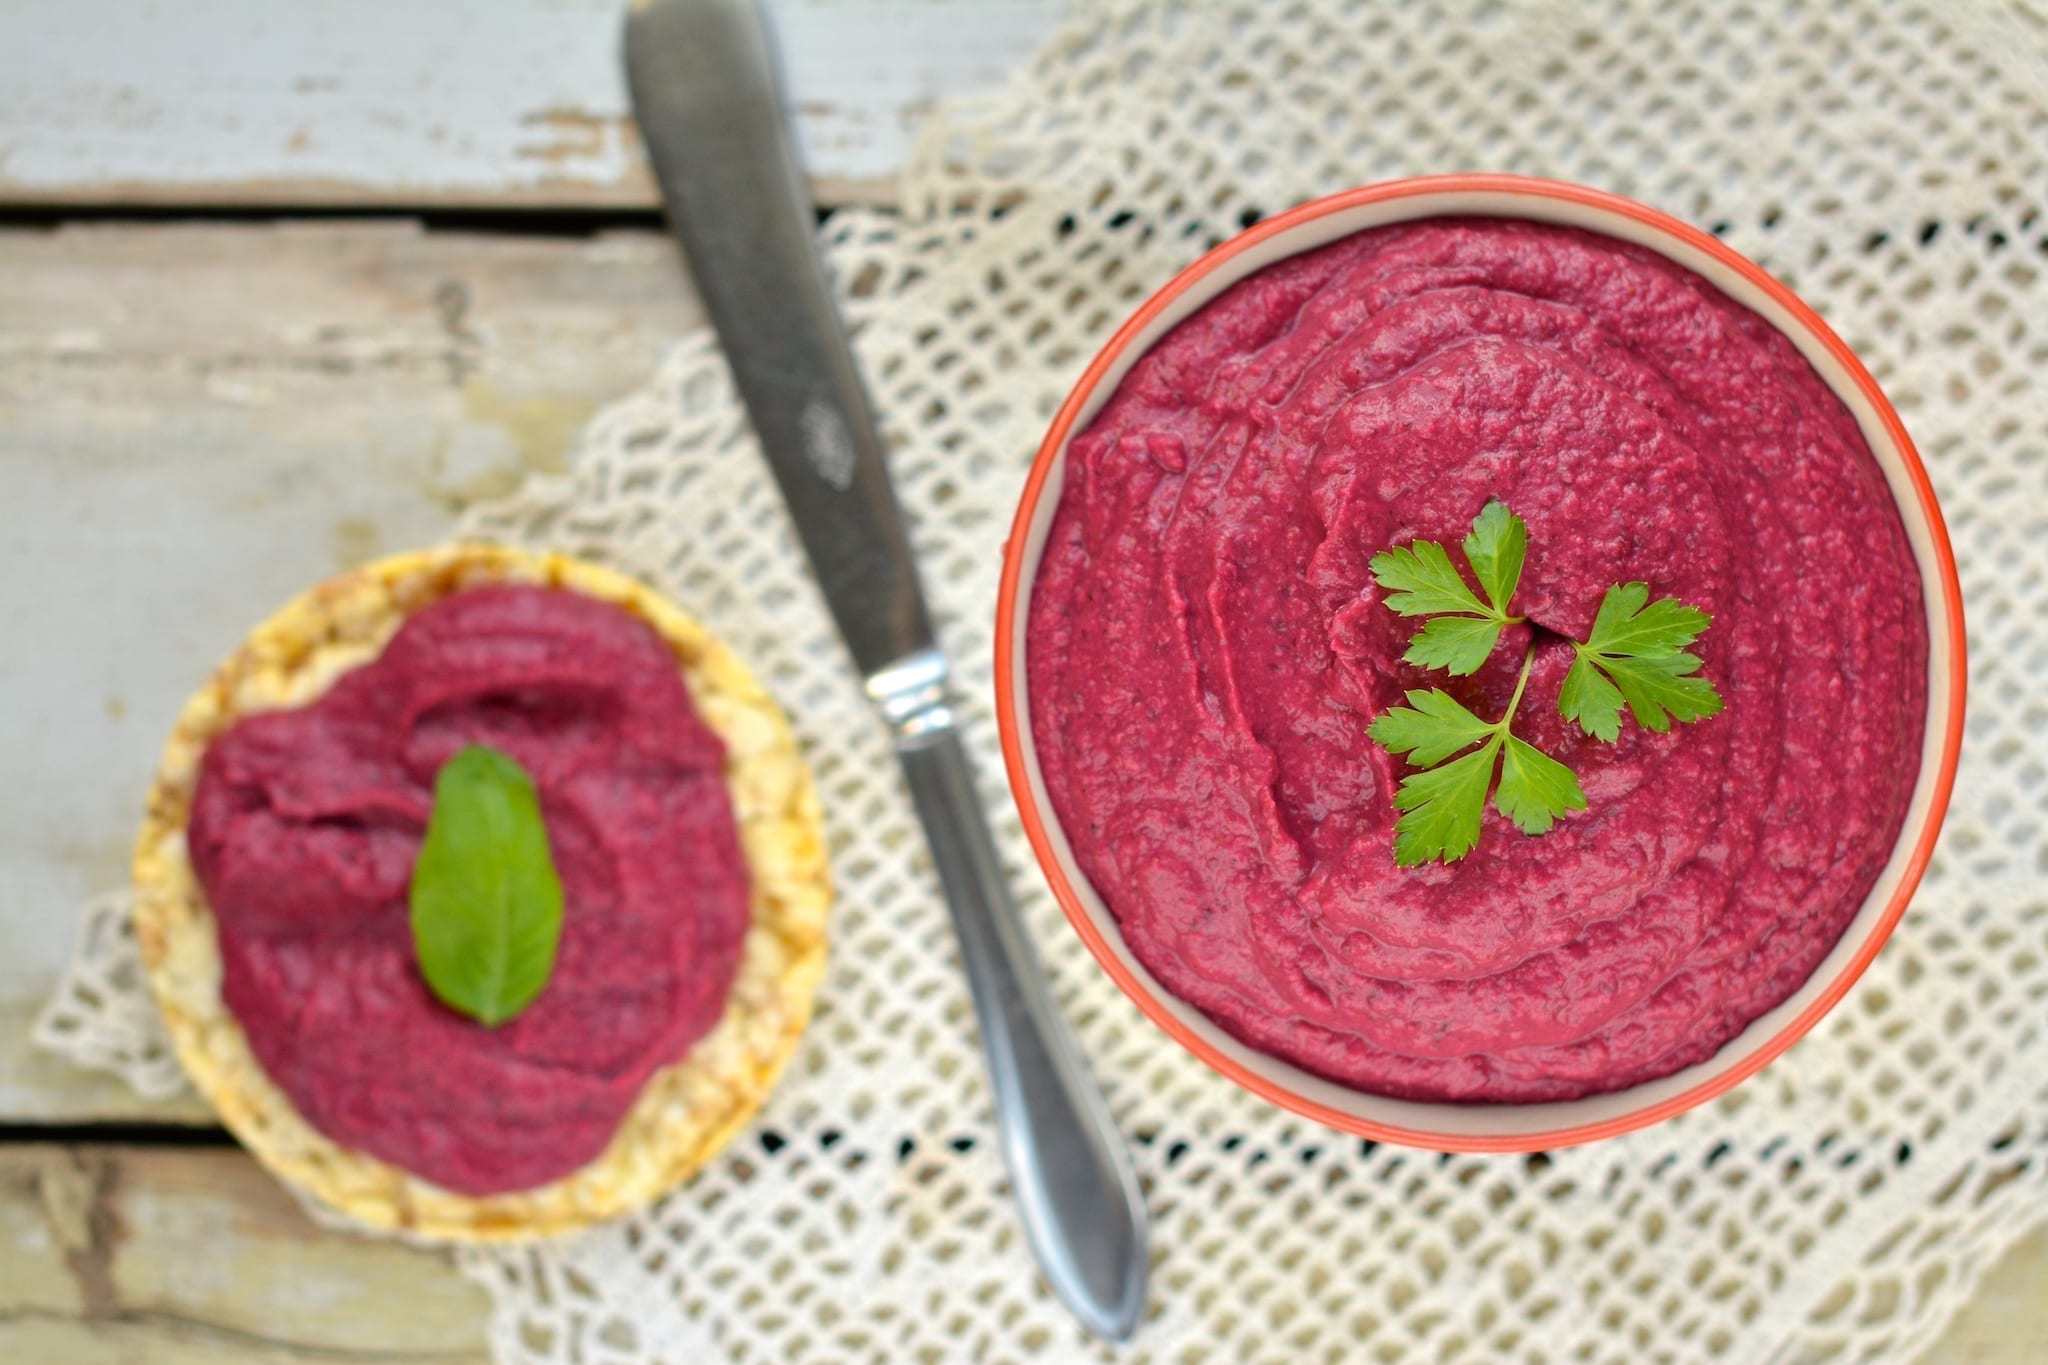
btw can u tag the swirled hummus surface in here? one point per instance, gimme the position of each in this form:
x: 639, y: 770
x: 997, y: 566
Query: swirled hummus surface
x: 1206, y: 649
x: 304, y: 829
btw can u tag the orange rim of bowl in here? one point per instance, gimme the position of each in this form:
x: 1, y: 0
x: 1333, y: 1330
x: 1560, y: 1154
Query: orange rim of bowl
x: 1949, y: 587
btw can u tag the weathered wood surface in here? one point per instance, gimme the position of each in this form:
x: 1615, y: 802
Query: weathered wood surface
x: 195, y: 422
x: 495, y: 103
x: 178, y: 1256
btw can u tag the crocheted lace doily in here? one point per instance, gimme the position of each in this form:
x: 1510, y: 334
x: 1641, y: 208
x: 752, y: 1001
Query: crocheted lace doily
x: 1891, y: 163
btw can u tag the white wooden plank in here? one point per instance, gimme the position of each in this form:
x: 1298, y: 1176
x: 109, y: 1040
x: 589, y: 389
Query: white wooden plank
x: 112, y: 1255
x: 124, y: 1254
x: 486, y: 102
x: 195, y: 422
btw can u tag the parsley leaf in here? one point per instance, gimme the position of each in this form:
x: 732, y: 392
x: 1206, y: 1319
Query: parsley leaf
x: 1629, y: 623
x: 1498, y: 544
x: 1459, y: 645
x: 1442, y: 807
x: 1423, y: 581
x: 1635, y: 654
x: 1535, y: 789
x: 1634, y: 657
x: 1420, y: 580
x: 1588, y: 698
x: 1658, y: 689
x: 1437, y: 727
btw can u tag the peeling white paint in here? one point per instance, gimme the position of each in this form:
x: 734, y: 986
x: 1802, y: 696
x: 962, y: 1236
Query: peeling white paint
x: 385, y: 100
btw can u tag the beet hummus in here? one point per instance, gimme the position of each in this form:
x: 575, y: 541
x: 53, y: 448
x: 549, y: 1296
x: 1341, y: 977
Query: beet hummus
x: 1206, y: 648
x: 304, y: 830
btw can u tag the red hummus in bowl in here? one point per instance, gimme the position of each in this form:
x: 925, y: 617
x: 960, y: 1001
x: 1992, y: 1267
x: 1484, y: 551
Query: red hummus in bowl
x: 1193, y: 647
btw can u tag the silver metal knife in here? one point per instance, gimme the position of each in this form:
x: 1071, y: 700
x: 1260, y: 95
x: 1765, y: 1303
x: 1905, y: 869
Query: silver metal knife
x: 705, y: 93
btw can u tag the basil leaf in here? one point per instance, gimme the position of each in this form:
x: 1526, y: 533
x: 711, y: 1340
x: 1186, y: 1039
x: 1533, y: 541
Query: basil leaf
x: 486, y: 902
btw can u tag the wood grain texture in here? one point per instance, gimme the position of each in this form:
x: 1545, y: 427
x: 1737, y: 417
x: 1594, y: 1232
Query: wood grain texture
x: 481, y: 103
x: 196, y: 422
x: 126, y: 1254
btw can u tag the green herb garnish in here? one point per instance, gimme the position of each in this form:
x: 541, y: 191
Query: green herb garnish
x: 1443, y: 804
x: 1424, y: 582
x: 486, y: 902
x: 1634, y: 656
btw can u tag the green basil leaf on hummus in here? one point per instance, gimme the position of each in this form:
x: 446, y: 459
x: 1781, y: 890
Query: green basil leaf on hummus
x: 486, y: 901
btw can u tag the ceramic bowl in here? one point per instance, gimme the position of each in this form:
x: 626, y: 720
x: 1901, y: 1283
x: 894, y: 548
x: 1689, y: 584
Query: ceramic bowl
x: 1492, y: 1127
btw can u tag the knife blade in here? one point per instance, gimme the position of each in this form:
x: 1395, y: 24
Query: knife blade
x: 704, y: 89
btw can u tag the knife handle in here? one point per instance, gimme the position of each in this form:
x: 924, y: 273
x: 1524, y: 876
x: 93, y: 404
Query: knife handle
x: 704, y: 89
x: 1078, y: 1196
x: 703, y: 79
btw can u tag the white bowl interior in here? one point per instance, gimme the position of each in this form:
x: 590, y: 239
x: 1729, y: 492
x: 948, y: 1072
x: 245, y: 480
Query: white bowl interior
x: 1497, y: 1121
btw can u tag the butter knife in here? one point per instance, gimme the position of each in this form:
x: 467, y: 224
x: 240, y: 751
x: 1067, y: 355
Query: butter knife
x: 705, y: 93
